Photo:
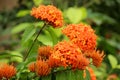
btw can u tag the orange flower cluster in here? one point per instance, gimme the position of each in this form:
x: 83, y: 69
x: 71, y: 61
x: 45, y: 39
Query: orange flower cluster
x: 69, y: 54
x: 82, y: 35
x: 31, y: 67
x: 55, y: 61
x: 7, y: 71
x: 97, y: 57
x: 41, y: 66
x: 49, y: 13
x: 44, y: 52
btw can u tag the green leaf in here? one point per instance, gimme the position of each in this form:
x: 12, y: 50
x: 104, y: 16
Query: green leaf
x: 100, y: 18
x: 20, y: 27
x: 79, y: 75
x: 13, y: 56
x: 38, y: 24
x: 113, y: 61
x: 48, y: 77
x: 118, y: 66
x: 4, y: 60
x: 45, y: 38
x: 24, y: 75
x: 37, y: 2
x: 28, y: 33
x: 33, y: 52
x: 58, y: 32
x: 71, y: 75
x: 75, y: 15
x: 62, y: 75
x: 53, y: 35
x: 87, y: 75
x: 23, y: 13
x: 17, y: 56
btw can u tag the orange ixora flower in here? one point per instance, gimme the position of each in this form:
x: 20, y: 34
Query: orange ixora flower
x: 80, y: 62
x: 50, y: 14
x: 7, y: 71
x: 82, y: 35
x: 42, y: 68
x: 44, y: 52
x: 97, y: 57
x: 31, y: 67
x: 54, y: 60
x: 68, y: 54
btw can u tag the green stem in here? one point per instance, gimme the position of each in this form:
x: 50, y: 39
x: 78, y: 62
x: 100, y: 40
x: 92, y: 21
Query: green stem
x: 34, y: 42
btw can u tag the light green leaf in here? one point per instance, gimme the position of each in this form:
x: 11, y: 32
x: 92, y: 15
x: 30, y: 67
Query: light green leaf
x: 53, y: 35
x: 45, y: 38
x: 38, y: 24
x: 13, y: 56
x: 37, y: 2
x: 58, y: 31
x: 20, y: 27
x: 23, y: 13
x: 75, y: 15
x: 4, y: 60
x: 28, y: 33
x: 87, y: 75
x: 17, y: 56
x: 118, y: 66
x: 113, y: 60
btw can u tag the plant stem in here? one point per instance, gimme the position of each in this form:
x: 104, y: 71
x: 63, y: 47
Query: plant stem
x: 34, y: 42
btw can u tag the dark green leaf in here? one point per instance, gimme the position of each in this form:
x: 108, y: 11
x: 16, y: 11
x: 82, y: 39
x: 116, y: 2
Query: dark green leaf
x: 71, y: 75
x: 61, y: 75
x: 48, y: 77
x: 79, y: 74
x: 99, y: 18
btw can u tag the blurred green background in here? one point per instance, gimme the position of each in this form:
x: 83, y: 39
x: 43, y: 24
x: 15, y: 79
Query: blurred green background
x: 16, y: 32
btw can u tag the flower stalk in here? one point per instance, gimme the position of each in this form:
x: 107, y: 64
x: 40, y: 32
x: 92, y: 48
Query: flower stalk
x: 34, y: 42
